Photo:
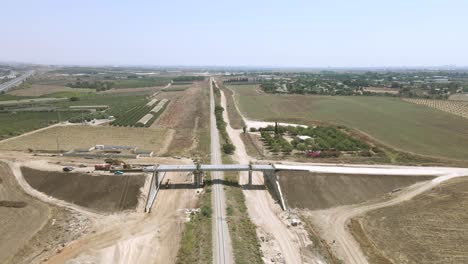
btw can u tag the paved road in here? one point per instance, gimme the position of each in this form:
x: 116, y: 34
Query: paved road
x: 15, y: 82
x: 222, y: 250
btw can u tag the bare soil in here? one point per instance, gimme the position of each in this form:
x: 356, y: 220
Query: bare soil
x: 430, y: 228
x: 137, y: 237
x: 35, y: 230
x: 100, y: 193
x: 18, y: 225
x: 315, y: 191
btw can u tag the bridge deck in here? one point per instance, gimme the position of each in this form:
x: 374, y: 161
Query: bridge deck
x: 210, y: 167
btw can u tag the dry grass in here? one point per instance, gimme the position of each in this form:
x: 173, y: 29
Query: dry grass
x: 188, y: 113
x: 71, y: 137
x: 235, y: 119
x: 430, y: 228
x: 372, y: 253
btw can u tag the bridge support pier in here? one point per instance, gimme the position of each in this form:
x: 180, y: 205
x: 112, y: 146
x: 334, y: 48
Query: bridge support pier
x: 197, y: 178
x: 157, y: 181
x: 250, y: 173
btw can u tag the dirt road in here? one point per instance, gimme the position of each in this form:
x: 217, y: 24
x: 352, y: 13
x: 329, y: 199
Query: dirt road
x: 222, y: 249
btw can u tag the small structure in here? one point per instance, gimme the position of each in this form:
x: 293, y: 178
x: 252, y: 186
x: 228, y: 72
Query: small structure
x: 144, y: 120
x: 152, y: 102
x: 144, y: 153
x: 159, y: 106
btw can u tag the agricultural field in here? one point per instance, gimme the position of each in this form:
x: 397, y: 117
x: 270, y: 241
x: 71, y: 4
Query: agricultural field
x: 459, y: 108
x: 141, y: 82
x: 403, y: 126
x: 13, y: 124
x: 77, y: 136
x: 142, y: 115
x: 24, y: 115
x: 430, y: 228
x: 320, y: 141
x: 459, y: 97
x: 41, y: 90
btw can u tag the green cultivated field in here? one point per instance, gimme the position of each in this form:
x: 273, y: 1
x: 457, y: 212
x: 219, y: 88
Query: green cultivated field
x: 16, y: 124
x: 12, y: 124
x: 141, y: 82
x: 402, y: 125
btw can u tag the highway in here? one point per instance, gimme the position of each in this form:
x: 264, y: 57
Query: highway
x: 222, y: 250
x: 4, y: 87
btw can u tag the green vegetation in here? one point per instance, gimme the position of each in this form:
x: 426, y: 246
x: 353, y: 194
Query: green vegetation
x: 141, y: 82
x: 17, y: 120
x: 196, y: 243
x: 131, y: 117
x: 327, y: 139
x: 245, y: 244
x: 425, y: 84
x: 99, y: 86
x: 188, y: 79
x: 9, y: 97
x: 401, y: 125
x: 13, y: 124
x: 227, y: 146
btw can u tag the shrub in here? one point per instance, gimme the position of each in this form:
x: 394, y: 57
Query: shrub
x: 229, y: 148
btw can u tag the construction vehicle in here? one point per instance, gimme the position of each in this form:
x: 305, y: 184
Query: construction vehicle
x: 116, y: 162
x: 103, y: 167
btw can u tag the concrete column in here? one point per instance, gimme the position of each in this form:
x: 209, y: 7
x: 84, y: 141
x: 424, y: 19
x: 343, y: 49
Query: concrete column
x: 250, y: 173
x: 156, y: 178
x: 197, y: 177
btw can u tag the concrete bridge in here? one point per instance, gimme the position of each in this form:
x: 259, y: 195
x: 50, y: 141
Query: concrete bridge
x: 159, y: 173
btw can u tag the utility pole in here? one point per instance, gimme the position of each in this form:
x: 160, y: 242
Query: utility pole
x: 58, y: 145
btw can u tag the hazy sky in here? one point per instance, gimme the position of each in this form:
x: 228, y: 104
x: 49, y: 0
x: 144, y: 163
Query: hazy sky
x: 304, y: 33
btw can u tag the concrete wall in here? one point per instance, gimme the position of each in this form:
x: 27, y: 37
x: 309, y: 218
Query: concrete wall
x: 272, y: 183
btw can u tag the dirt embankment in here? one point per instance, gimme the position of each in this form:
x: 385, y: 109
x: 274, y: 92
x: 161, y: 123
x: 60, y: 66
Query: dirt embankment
x: 31, y: 230
x: 17, y: 225
x: 430, y: 228
x: 100, y: 193
x: 316, y: 191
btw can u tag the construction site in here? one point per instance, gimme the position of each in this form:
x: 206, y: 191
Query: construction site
x: 171, y: 192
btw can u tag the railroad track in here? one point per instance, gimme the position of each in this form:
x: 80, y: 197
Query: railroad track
x: 222, y: 251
